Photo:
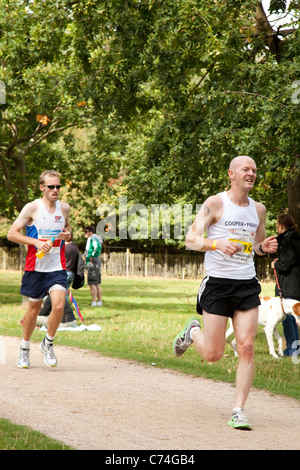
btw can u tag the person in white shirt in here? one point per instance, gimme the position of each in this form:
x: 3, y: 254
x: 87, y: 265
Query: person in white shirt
x: 235, y: 226
x: 45, y: 219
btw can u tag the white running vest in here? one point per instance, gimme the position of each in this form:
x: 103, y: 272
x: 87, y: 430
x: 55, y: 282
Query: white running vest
x: 238, y: 224
x: 45, y: 227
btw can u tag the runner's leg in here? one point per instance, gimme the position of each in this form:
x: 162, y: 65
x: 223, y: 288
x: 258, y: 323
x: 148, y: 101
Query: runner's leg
x: 29, y: 320
x: 245, y: 328
x: 58, y: 304
x: 210, y: 342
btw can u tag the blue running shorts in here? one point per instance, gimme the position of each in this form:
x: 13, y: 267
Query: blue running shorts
x: 36, y: 285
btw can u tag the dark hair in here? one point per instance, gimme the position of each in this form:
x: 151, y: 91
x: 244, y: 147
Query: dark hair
x: 90, y: 228
x: 287, y: 221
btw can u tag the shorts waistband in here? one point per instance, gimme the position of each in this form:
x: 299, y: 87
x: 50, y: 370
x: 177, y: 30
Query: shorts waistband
x: 223, y: 280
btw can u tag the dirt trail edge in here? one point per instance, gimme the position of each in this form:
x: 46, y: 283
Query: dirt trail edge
x: 100, y: 403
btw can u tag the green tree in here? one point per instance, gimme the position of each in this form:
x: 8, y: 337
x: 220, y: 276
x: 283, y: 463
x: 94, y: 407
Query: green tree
x: 167, y: 91
x: 196, y: 83
x: 43, y: 85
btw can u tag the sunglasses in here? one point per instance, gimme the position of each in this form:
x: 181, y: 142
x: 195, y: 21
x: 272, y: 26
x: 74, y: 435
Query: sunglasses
x: 52, y: 186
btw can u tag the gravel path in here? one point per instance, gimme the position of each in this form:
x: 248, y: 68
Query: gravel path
x: 95, y: 402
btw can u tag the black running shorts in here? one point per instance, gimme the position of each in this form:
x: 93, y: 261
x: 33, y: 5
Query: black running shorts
x: 224, y: 296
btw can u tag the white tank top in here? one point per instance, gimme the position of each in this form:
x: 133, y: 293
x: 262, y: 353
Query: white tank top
x: 238, y: 224
x: 45, y: 227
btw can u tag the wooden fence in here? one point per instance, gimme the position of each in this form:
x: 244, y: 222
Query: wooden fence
x: 11, y: 258
x: 126, y: 263
x: 186, y: 265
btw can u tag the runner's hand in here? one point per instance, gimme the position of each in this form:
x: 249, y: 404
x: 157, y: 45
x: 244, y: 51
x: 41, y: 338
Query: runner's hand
x: 43, y: 246
x: 229, y: 248
x: 270, y: 245
x: 65, y: 235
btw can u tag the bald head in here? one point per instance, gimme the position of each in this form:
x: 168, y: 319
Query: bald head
x: 242, y: 173
x: 240, y: 161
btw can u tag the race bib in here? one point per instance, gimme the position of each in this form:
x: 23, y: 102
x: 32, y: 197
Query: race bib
x: 45, y: 235
x: 246, y: 239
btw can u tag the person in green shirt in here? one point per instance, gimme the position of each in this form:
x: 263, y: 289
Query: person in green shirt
x: 93, y: 249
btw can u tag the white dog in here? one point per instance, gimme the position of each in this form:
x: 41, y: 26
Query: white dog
x: 270, y: 313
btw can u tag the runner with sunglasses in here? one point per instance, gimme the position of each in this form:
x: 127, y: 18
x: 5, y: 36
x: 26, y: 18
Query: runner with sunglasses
x: 45, y: 219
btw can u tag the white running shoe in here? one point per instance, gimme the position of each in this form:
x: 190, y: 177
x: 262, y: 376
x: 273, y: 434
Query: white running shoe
x: 239, y: 420
x: 183, y: 340
x: 49, y: 356
x: 23, y: 361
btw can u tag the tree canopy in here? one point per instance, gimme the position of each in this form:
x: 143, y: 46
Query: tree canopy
x: 148, y: 98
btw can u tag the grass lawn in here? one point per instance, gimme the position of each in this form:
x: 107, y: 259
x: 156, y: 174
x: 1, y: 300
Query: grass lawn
x: 16, y: 437
x: 139, y: 319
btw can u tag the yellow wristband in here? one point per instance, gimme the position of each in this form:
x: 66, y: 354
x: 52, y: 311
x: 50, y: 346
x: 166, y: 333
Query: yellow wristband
x: 214, y: 245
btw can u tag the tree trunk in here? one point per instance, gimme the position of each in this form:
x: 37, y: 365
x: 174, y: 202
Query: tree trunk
x: 275, y: 45
x: 263, y: 27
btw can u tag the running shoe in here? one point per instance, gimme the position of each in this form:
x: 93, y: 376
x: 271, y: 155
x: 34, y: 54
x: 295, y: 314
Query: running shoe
x: 49, y: 356
x: 23, y: 361
x: 183, y: 339
x: 239, y: 421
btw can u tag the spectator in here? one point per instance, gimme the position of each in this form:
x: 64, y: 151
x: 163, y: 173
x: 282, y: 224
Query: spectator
x: 71, y: 252
x: 93, y: 249
x: 287, y: 267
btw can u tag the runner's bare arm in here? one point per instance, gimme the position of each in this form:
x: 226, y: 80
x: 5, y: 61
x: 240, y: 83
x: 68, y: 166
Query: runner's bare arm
x: 263, y: 245
x: 210, y: 212
x: 66, y: 233
x: 195, y: 239
x: 25, y: 217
